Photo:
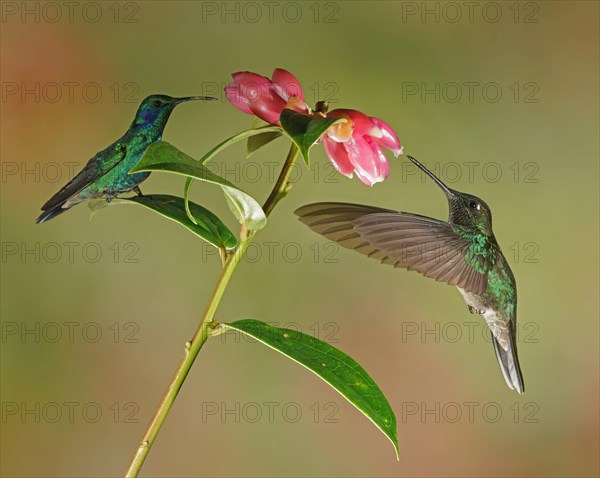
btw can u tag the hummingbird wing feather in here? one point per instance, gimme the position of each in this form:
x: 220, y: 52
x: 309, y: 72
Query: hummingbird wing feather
x: 427, y: 245
x: 335, y: 222
x: 95, y: 168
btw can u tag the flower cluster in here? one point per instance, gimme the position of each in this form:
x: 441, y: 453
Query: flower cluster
x: 353, y: 146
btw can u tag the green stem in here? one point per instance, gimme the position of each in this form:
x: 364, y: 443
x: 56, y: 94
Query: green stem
x: 280, y: 190
x: 282, y: 186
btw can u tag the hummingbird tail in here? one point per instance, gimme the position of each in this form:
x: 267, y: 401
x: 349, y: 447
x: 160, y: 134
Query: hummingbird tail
x: 50, y: 214
x: 509, y: 364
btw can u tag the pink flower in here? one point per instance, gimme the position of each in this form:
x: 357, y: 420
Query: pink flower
x: 355, y: 145
x: 352, y: 146
x: 257, y: 95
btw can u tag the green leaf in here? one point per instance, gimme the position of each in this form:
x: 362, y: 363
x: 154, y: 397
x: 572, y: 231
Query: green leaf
x: 245, y: 208
x: 207, y: 226
x: 336, y: 368
x: 256, y: 142
x: 162, y: 156
x: 305, y: 130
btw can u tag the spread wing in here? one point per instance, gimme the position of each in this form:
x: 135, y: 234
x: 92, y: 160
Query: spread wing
x: 427, y: 245
x: 95, y: 168
x: 335, y: 222
x: 410, y: 241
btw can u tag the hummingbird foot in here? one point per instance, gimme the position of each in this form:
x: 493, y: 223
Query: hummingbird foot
x: 474, y: 310
x: 137, y: 190
x: 109, y: 197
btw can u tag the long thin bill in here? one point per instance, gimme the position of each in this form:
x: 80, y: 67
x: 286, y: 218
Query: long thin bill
x: 195, y: 98
x: 445, y: 188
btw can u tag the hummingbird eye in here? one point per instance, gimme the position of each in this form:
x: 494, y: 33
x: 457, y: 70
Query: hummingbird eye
x: 474, y: 205
x: 157, y: 103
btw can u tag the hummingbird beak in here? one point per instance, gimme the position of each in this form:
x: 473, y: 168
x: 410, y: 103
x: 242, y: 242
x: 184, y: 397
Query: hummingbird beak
x: 449, y: 193
x: 195, y: 98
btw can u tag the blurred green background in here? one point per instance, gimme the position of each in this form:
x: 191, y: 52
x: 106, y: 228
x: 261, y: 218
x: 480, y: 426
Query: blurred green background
x: 95, y: 314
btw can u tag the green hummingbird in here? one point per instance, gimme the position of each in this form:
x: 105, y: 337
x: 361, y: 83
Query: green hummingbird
x: 461, y: 252
x: 106, y: 174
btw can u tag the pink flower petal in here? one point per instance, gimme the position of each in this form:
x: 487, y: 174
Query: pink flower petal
x: 257, y: 95
x: 247, y: 87
x: 287, y: 85
x: 363, y: 124
x: 245, y: 78
x: 339, y: 157
x: 268, y: 109
x: 367, y: 161
x: 255, y: 88
x: 365, y: 179
x: 232, y: 90
x: 384, y: 165
x: 389, y: 139
x: 254, y: 94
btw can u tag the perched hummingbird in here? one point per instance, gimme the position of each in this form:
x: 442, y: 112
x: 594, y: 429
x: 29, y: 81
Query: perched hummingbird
x: 461, y: 252
x: 106, y: 174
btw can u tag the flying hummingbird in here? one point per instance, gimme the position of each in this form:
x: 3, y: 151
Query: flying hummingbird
x: 461, y: 252
x: 106, y: 174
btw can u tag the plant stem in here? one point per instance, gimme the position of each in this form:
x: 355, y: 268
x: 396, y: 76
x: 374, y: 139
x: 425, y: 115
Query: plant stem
x: 282, y: 186
x: 280, y: 190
